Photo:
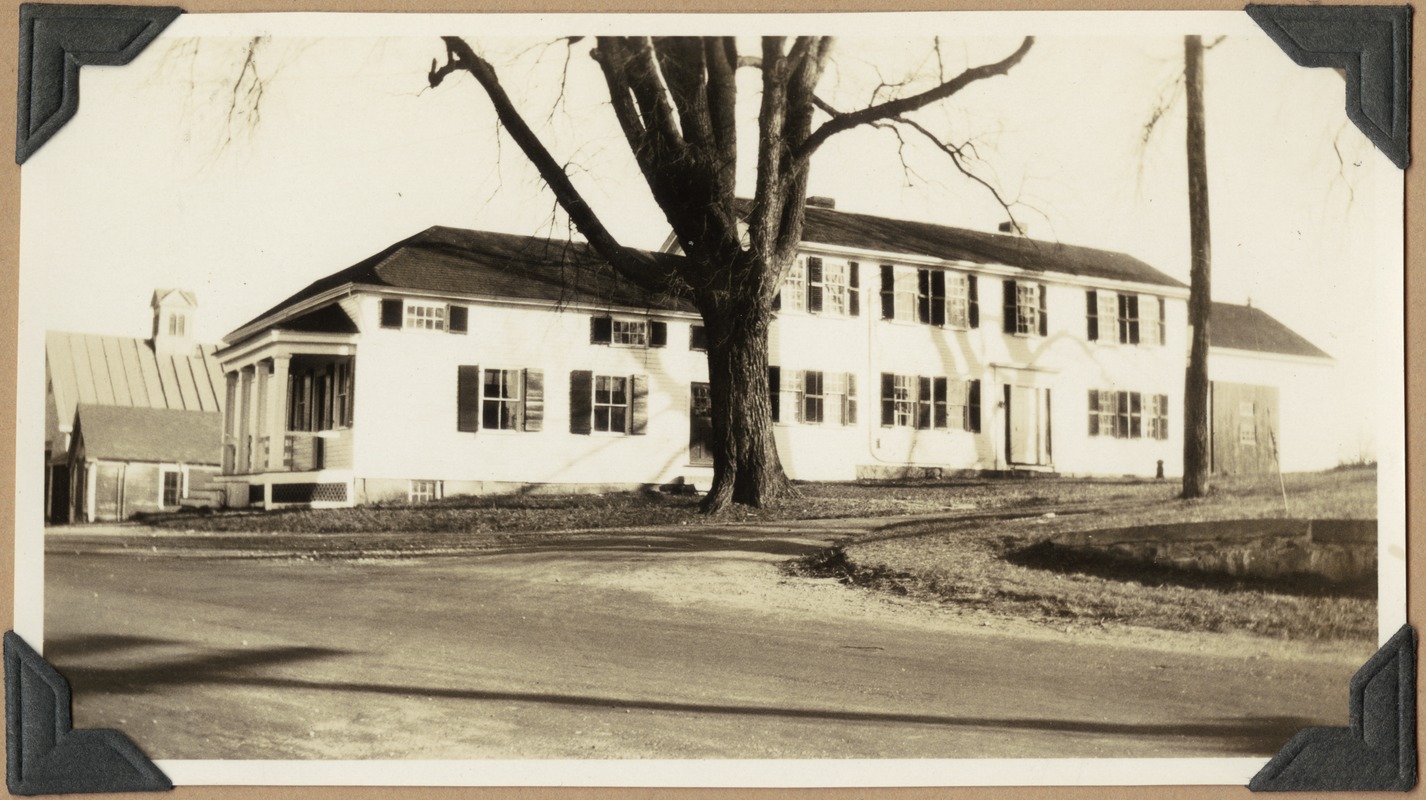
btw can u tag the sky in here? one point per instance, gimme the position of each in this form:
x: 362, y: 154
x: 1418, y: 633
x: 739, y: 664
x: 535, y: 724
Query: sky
x: 178, y: 172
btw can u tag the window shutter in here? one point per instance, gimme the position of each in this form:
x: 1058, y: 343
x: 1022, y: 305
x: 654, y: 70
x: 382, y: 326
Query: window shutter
x: 973, y: 406
x: 1091, y: 310
x: 534, y: 411
x: 467, y: 398
x: 888, y: 399
x: 1044, y: 318
x: 814, y: 285
x: 854, y: 289
x: 798, y: 412
x: 923, y: 296
x: 581, y: 401
x: 601, y: 330
x: 940, y: 413
x: 924, y: 402
x: 639, y: 405
x: 888, y: 292
x: 774, y: 392
x: 697, y: 337
x: 391, y: 311
x: 1133, y: 318
x: 849, y: 400
x: 658, y: 334
x: 457, y: 319
x: 1009, y: 310
x: 1093, y: 412
x: 973, y: 301
x: 1163, y: 329
x: 1164, y: 413
x: 938, y: 297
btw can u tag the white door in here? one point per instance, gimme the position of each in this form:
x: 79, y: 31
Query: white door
x: 1029, y: 436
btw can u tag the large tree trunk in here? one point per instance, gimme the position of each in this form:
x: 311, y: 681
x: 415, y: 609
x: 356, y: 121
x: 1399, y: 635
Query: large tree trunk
x: 746, y: 468
x: 1195, y: 392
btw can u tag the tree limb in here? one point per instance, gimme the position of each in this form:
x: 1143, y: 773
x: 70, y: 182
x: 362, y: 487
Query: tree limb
x: 895, y: 108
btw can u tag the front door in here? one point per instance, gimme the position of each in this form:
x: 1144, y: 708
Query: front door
x: 700, y: 425
x: 1027, y: 409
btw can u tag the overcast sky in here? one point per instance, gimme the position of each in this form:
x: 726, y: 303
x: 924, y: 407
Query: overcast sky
x: 157, y: 183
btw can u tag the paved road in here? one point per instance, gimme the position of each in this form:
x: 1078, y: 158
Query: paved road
x: 683, y: 644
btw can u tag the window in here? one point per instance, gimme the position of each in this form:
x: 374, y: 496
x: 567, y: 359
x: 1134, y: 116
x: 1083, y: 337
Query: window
x: 500, y: 399
x: 957, y: 300
x: 794, y: 287
x: 425, y: 316
x: 697, y: 337
x: 500, y: 406
x: 930, y: 403
x: 628, y: 332
x: 172, y: 492
x: 1024, y: 308
x: 1101, y: 412
x: 812, y: 397
x: 611, y: 403
x: 1103, y: 312
x: 1151, y: 321
x: 907, y: 294
x: 1159, y: 416
x: 834, y: 289
x: 342, y: 395
x: 424, y: 491
x: 1129, y: 415
x: 176, y: 323
x: 631, y: 333
x: 1128, y: 319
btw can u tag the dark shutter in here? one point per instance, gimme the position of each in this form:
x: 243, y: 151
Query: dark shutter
x: 639, y: 405
x: 581, y: 401
x: 1133, y: 318
x: 1163, y: 336
x: 938, y: 298
x: 888, y: 292
x: 923, y: 403
x: 940, y: 415
x: 1093, y: 411
x: 457, y: 319
x: 1044, y: 317
x: 467, y: 398
x: 854, y: 289
x: 1009, y: 310
x: 973, y: 407
x: 888, y: 399
x: 774, y: 392
x: 601, y: 330
x: 658, y: 334
x: 973, y: 301
x: 391, y: 311
x: 923, y: 296
x: 849, y: 417
x: 534, y: 411
x: 697, y: 337
x: 1091, y: 311
x: 814, y: 285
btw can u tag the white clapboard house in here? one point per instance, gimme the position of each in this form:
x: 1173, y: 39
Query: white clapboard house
x: 460, y: 361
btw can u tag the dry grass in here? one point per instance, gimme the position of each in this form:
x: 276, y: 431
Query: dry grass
x: 962, y: 561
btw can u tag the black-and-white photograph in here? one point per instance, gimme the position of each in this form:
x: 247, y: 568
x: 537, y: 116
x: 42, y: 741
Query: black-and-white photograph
x: 551, y: 399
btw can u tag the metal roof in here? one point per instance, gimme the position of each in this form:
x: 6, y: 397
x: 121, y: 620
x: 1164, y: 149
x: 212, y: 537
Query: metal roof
x: 125, y: 371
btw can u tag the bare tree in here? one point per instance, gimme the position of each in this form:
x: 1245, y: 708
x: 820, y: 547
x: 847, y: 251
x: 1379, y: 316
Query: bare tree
x: 675, y: 100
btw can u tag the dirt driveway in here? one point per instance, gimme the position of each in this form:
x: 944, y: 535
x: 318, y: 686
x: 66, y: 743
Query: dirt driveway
x: 679, y: 643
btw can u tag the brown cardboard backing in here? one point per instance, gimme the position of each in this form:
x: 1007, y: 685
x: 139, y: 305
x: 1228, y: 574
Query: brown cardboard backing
x: 1415, y: 293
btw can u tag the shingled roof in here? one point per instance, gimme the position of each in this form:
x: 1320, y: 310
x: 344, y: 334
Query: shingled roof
x: 441, y: 259
x: 130, y: 433
x: 884, y: 234
x: 1246, y: 328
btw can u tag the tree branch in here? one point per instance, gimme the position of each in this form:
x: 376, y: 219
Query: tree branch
x: 956, y: 155
x: 895, y: 108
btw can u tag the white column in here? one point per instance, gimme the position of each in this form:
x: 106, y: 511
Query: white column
x: 277, y: 412
x: 245, y: 421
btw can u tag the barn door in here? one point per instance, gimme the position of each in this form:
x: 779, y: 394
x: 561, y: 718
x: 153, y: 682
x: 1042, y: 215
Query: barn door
x: 1028, y: 433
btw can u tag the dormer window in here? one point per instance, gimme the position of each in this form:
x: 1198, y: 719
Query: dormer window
x: 176, y: 325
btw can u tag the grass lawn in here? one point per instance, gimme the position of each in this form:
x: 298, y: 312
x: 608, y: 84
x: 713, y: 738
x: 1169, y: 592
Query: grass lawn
x: 959, y: 559
x: 963, y: 561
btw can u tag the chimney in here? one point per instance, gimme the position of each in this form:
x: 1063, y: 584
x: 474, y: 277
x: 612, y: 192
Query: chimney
x: 1008, y: 226
x: 822, y: 202
x: 174, y: 312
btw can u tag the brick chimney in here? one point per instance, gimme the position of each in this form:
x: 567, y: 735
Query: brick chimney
x: 822, y: 202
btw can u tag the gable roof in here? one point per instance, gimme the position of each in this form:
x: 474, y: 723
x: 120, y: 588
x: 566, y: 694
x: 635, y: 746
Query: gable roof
x: 1247, y: 328
x: 125, y: 371
x: 161, y: 296
x: 150, y: 434
x: 441, y: 259
x: 866, y: 232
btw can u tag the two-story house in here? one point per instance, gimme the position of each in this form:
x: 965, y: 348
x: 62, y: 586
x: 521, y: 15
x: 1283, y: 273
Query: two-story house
x: 460, y: 361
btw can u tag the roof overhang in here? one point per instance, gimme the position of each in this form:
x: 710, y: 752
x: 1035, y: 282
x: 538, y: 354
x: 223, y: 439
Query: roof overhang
x: 1286, y: 358
x: 276, y: 343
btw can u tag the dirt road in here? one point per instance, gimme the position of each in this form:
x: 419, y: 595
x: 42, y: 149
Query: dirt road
x: 685, y: 643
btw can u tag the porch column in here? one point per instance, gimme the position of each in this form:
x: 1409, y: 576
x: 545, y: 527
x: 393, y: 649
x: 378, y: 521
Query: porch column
x: 245, y: 422
x: 230, y: 424
x: 277, y: 412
